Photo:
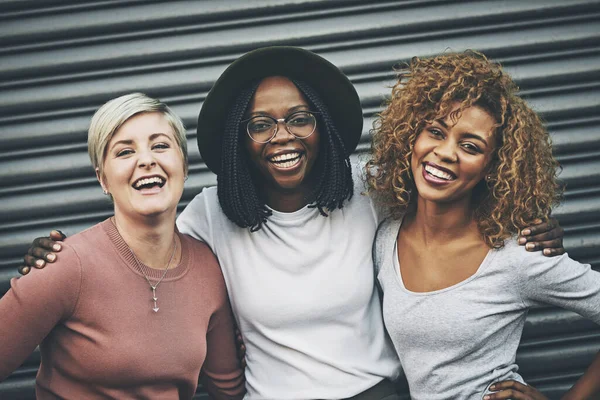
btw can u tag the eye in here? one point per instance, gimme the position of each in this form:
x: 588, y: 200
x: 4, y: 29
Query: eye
x: 471, y: 148
x: 124, y: 152
x: 160, y: 146
x: 259, y: 124
x: 300, y: 119
x: 436, y: 133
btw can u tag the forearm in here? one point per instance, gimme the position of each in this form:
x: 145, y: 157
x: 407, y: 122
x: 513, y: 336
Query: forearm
x: 21, y: 331
x: 222, y: 375
x: 588, y: 386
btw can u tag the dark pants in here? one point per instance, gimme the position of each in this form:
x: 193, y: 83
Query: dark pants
x: 384, y: 390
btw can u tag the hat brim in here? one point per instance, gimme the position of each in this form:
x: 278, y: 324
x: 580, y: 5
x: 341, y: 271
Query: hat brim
x: 333, y: 87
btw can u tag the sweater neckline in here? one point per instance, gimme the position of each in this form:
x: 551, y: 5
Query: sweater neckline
x: 140, y: 268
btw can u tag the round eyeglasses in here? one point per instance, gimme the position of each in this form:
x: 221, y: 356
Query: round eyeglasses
x: 263, y: 128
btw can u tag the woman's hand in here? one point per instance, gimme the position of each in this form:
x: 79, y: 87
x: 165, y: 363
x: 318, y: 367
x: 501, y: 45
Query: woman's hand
x: 514, y: 390
x: 42, y: 250
x: 241, y: 347
x: 547, y: 236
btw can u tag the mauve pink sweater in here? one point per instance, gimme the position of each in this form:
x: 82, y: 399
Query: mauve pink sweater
x: 91, y: 313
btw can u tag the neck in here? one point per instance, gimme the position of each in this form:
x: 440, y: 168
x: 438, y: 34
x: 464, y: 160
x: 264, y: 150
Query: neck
x: 288, y: 200
x: 439, y: 224
x: 150, y: 239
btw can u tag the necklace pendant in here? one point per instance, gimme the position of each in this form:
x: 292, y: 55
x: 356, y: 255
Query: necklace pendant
x: 154, y: 298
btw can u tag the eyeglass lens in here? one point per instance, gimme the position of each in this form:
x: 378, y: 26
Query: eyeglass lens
x: 263, y: 128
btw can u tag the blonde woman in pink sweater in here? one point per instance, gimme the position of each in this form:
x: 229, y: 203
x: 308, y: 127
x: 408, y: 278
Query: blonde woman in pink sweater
x: 111, y: 325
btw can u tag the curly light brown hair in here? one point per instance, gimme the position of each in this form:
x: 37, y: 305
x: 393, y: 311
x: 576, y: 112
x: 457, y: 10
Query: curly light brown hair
x: 521, y: 184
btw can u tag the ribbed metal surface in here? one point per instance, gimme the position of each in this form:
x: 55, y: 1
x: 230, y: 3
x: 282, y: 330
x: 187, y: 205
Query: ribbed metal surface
x: 60, y: 60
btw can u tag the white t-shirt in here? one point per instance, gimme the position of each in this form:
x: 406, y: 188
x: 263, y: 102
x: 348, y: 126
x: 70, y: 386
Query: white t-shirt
x: 303, y: 293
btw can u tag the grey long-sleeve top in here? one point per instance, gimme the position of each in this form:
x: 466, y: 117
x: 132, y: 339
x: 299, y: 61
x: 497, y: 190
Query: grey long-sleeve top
x: 455, y: 342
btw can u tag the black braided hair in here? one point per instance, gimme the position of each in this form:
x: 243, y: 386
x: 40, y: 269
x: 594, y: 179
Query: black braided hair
x: 237, y: 192
x: 334, y: 184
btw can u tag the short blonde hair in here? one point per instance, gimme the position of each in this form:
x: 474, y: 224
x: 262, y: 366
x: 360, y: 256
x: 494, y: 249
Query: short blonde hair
x: 113, y: 114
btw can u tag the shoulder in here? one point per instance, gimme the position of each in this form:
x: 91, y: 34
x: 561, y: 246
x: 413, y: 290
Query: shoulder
x: 85, y: 244
x: 199, y: 215
x: 199, y: 249
x: 514, y: 255
x: 202, y: 256
x: 207, y: 198
x: 88, y: 238
x: 388, y: 229
x: 387, y: 232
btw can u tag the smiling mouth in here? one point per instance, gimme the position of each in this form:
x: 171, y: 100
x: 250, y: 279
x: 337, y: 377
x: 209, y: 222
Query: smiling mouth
x: 438, y: 173
x: 286, y: 160
x: 149, y: 183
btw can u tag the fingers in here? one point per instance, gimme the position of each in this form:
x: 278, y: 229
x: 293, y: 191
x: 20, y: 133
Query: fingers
x: 547, y: 236
x: 46, y: 243
x: 551, y: 252
x: 33, y: 262
x: 57, y: 235
x: 37, y: 256
x: 42, y: 251
x: 241, y: 347
x: 514, y: 390
x: 24, y: 270
x: 554, y: 244
x: 539, y: 227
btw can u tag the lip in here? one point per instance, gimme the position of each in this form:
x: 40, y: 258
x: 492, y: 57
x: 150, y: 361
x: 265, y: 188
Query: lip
x: 434, y: 180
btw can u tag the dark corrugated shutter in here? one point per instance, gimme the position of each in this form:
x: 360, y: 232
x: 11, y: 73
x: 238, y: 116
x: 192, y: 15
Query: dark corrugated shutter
x: 60, y: 60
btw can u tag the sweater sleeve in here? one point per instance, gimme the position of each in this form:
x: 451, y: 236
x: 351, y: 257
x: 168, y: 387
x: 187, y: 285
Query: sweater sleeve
x: 222, y: 375
x: 34, y: 305
x: 562, y: 282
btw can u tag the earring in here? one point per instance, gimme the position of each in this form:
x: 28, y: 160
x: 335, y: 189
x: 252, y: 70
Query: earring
x: 105, y: 191
x: 185, y: 178
x: 488, y: 178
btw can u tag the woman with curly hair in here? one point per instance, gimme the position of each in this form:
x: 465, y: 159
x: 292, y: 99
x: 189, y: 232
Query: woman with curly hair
x: 463, y: 164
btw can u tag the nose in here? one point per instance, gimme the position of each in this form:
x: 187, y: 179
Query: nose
x: 282, y: 135
x: 146, y: 159
x: 446, y: 151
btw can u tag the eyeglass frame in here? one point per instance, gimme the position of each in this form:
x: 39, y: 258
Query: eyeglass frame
x: 277, y: 121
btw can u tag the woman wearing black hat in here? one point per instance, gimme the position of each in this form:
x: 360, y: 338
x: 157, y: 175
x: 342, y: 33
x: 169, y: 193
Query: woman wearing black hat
x: 277, y: 128
x: 292, y: 233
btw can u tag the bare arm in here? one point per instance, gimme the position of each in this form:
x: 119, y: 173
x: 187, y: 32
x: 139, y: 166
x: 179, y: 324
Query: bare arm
x: 588, y: 386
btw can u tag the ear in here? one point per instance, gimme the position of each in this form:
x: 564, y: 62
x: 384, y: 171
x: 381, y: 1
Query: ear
x: 100, y: 178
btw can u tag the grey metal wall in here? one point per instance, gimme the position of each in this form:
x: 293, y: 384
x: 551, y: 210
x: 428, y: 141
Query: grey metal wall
x: 60, y: 60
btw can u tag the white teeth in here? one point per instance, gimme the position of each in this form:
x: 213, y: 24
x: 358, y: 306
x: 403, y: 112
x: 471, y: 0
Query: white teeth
x: 438, y: 173
x: 146, y: 181
x: 286, y: 160
x: 285, y: 157
x: 287, y: 164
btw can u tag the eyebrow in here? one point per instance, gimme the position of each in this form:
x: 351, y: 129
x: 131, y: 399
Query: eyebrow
x: 129, y: 141
x: 300, y: 107
x: 466, y: 134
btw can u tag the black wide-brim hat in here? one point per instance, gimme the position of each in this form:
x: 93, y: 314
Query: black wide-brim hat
x: 333, y: 87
